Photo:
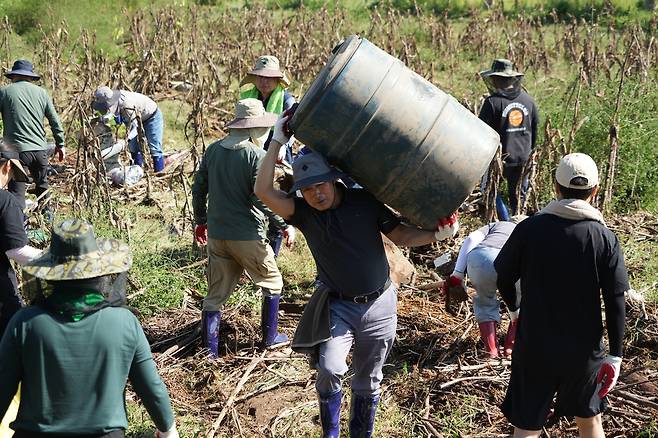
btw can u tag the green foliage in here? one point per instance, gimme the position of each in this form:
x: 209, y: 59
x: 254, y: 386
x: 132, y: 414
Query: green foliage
x: 636, y: 178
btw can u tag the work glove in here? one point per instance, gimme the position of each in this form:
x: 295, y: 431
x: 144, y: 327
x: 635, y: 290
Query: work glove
x: 513, y: 316
x: 282, y: 154
x: 608, y: 374
x: 454, y: 288
x: 201, y: 234
x: 281, y: 134
x: 171, y: 433
x: 289, y: 233
x: 61, y: 153
x: 447, y: 227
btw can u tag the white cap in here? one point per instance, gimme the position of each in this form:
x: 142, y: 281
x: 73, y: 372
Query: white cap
x: 577, y: 165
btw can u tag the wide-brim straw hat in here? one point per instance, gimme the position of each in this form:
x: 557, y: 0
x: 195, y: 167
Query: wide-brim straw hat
x: 22, y: 67
x: 76, y: 254
x: 18, y: 172
x: 266, y: 66
x: 312, y: 169
x: 106, y: 99
x: 250, y: 113
x: 501, y: 67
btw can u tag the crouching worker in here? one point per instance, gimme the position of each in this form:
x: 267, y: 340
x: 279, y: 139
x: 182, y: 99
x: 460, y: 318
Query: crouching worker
x: 74, y: 351
x: 125, y: 106
x: 476, y: 257
x: 233, y: 222
x: 356, y: 303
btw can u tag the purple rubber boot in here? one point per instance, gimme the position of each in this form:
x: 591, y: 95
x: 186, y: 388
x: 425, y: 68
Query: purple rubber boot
x: 269, y: 321
x: 138, y: 158
x: 210, y: 321
x: 362, y: 415
x: 330, y: 414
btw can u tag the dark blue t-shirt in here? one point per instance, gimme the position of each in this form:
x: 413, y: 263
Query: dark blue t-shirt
x: 346, y: 241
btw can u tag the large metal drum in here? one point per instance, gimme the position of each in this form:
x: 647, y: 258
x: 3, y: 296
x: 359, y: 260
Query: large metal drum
x: 411, y: 145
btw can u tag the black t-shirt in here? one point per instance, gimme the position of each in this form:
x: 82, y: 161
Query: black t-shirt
x: 12, y: 234
x: 564, y: 266
x: 515, y: 117
x: 346, y: 242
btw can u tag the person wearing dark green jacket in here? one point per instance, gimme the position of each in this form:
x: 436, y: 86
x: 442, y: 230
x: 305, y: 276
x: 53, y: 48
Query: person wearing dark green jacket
x: 75, y: 350
x: 23, y: 106
x: 234, y: 223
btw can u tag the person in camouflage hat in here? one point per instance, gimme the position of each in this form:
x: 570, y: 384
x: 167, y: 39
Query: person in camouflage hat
x: 75, y: 350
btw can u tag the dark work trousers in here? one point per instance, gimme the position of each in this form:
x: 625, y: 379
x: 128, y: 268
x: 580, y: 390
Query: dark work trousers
x: 36, y: 163
x: 512, y: 175
x: 25, y: 434
x: 10, y: 300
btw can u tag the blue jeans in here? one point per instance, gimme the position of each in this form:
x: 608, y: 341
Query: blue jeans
x: 481, y: 272
x: 153, y: 129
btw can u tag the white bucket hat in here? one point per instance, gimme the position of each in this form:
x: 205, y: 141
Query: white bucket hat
x: 106, y: 99
x: 577, y: 165
x: 266, y: 66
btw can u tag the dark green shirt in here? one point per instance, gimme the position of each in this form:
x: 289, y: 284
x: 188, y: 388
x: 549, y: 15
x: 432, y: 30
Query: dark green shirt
x: 74, y: 374
x: 225, y: 181
x: 23, y: 106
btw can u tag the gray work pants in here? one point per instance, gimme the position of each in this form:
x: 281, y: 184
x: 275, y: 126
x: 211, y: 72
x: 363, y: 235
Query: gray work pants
x: 371, y: 327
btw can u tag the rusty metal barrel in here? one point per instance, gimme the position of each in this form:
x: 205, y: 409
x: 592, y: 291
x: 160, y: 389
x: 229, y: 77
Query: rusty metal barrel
x: 411, y: 145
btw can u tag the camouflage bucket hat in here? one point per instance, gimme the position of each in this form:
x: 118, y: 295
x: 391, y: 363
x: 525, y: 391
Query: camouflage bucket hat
x: 75, y: 254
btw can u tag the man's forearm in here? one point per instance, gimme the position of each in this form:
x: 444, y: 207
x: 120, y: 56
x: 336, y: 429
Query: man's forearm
x: 615, y: 316
x: 264, y: 185
x: 406, y: 236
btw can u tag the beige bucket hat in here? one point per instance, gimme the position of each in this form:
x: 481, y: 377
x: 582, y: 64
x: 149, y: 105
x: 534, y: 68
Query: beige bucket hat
x: 266, y: 66
x: 75, y: 254
x: 501, y: 67
x: 250, y: 113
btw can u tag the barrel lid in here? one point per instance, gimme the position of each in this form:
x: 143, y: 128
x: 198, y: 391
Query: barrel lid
x: 340, y: 56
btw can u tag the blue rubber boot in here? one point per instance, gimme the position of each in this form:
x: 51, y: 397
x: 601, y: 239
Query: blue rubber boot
x: 210, y: 321
x: 269, y: 321
x: 138, y: 158
x: 501, y: 209
x: 158, y: 163
x: 362, y: 415
x: 330, y: 414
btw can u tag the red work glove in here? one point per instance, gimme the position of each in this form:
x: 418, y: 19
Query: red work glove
x: 447, y: 227
x: 61, y: 153
x: 608, y: 374
x: 289, y: 233
x: 454, y: 288
x: 201, y: 234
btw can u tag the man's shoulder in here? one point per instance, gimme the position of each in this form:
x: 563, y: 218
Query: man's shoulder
x: 7, y: 200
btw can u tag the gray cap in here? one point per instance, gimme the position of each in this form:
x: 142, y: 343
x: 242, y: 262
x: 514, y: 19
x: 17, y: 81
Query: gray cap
x: 312, y: 169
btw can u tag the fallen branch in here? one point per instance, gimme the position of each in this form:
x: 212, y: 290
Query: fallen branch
x: 231, y: 399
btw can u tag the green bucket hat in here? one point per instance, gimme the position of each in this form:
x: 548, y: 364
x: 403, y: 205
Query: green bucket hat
x: 501, y: 67
x: 75, y: 254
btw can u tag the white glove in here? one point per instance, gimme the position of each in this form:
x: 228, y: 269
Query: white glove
x: 282, y: 154
x: 289, y: 233
x: 608, y: 374
x: 447, y: 228
x: 171, y: 433
x: 279, y: 134
x: 513, y: 316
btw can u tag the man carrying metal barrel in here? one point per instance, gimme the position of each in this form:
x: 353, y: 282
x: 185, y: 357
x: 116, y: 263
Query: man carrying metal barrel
x: 355, y: 303
x: 513, y: 114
